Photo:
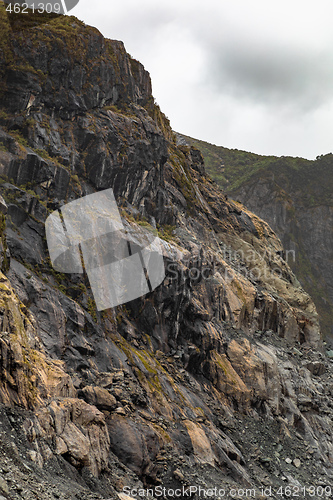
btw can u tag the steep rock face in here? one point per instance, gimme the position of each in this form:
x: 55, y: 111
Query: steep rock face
x: 306, y: 232
x: 92, y: 72
x: 160, y: 390
x: 294, y: 196
x: 28, y: 376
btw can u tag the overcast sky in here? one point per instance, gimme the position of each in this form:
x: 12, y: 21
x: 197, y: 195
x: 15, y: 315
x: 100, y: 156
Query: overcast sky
x: 247, y: 74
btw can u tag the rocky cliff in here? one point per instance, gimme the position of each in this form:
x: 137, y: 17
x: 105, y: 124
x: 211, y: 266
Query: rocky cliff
x: 295, y: 197
x: 218, y: 378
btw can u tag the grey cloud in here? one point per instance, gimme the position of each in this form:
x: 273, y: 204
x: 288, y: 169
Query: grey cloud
x: 231, y: 72
x: 271, y: 74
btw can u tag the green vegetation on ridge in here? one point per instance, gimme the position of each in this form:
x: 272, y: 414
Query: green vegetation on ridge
x: 233, y: 168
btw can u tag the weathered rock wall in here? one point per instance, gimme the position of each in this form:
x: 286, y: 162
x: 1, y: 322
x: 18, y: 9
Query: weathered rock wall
x: 306, y: 234
x: 160, y: 390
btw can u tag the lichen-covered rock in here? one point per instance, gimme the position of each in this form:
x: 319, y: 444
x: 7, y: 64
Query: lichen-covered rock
x: 28, y: 375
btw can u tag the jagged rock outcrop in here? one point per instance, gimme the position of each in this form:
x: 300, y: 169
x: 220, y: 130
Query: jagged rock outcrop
x: 161, y: 389
x: 306, y: 231
x: 294, y: 196
x: 77, y: 430
x: 28, y: 376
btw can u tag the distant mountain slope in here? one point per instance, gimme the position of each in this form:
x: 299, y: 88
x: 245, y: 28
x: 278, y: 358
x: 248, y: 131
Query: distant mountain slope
x: 295, y: 196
